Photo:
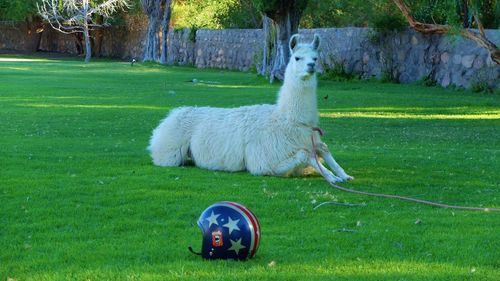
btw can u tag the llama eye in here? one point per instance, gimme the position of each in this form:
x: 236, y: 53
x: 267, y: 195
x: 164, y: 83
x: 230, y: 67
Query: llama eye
x: 297, y: 58
x: 315, y: 59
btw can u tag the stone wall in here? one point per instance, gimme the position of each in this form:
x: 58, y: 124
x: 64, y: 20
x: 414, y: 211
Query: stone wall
x: 125, y: 41
x: 181, y: 47
x: 406, y: 56
x: 14, y: 36
x: 229, y: 48
x: 409, y: 56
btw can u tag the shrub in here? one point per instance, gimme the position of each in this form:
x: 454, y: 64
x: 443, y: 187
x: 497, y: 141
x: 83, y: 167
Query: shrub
x: 480, y: 83
x: 337, y: 73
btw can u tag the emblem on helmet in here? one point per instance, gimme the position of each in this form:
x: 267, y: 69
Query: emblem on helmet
x: 217, y: 239
x: 230, y: 231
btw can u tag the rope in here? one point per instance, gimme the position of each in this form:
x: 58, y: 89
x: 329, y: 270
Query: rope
x: 322, y: 172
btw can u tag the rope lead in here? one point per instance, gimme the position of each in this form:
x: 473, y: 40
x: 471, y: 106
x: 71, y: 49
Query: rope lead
x: 390, y: 195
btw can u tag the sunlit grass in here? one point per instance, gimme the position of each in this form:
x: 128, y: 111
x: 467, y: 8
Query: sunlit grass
x: 339, y: 271
x: 394, y: 115
x: 225, y: 86
x: 101, y: 106
x: 80, y: 199
x: 7, y: 59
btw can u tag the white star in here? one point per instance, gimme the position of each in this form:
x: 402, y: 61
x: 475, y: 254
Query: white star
x: 232, y: 225
x: 212, y: 219
x: 236, y: 246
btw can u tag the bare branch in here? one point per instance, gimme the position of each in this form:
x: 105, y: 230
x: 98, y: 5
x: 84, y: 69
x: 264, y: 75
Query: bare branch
x: 75, y: 16
x: 479, y: 38
x: 108, y: 8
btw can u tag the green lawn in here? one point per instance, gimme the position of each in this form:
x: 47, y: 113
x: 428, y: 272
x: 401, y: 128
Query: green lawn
x: 80, y: 199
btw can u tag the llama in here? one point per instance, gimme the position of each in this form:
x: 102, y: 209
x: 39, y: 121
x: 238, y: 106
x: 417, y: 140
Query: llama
x: 262, y: 139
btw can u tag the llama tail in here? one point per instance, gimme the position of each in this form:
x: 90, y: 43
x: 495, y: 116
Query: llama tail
x: 169, y: 144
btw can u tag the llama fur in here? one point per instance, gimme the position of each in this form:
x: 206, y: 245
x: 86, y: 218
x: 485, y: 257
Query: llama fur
x: 263, y: 139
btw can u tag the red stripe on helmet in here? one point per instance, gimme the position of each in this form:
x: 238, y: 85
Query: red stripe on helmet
x: 255, y: 224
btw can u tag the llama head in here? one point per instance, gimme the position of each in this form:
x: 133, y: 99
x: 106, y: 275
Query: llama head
x: 304, y: 57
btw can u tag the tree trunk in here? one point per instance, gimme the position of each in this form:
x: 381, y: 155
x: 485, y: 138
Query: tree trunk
x: 282, y: 54
x: 152, y: 8
x: 268, y: 45
x: 479, y: 38
x: 35, y: 29
x: 463, y: 11
x: 151, y: 44
x: 88, y: 46
x: 97, y: 38
x: 85, y: 29
x: 164, y: 24
x: 285, y: 22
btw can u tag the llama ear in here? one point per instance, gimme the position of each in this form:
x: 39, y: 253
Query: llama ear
x: 315, y: 42
x: 293, y: 42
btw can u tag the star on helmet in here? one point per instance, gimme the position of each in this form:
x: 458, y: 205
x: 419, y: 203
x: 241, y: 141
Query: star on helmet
x: 212, y: 219
x: 236, y: 246
x: 232, y: 225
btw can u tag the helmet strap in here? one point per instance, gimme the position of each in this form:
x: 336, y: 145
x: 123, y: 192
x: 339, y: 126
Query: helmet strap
x: 192, y: 251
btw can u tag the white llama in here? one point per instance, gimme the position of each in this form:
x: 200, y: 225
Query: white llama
x: 263, y: 139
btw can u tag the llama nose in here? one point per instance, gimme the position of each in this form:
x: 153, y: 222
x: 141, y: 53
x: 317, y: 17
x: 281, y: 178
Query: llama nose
x: 311, y: 64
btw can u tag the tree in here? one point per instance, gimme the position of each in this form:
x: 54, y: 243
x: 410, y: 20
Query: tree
x: 167, y: 11
x: 152, y: 8
x: 215, y: 14
x: 78, y: 16
x: 478, y: 37
x: 284, y: 21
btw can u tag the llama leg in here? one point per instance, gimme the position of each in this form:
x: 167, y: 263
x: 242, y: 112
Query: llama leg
x: 323, y: 151
x: 322, y: 170
x: 289, y: 165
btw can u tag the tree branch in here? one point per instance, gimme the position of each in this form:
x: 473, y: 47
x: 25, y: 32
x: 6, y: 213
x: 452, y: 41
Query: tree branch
x: 108, y: 8
x: 479, y: 38
x: 78, y: 16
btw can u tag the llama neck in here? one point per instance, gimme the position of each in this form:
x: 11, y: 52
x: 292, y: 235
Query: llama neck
x: 297, y: 100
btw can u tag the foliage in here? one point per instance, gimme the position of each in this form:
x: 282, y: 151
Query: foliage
x: 451, y: 12
x: 214, y: 14
x: 432, y: 11
x: 17, y: 9
x: 489, y: 12
x: 82, y: 201
x: 383, y: 14
x: 192, y: 34
x: 388, y: 76
x: 337, y: 72
x: 277, y: 7
x: 481, y: 83
x: 329, y: 13
x: 427, y: 81
x: 389, y: 22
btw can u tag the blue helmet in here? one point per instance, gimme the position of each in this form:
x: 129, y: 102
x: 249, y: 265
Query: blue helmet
x: 230, y: 231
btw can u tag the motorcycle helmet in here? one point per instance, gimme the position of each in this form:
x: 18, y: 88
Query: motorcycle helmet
x: 230, y: 231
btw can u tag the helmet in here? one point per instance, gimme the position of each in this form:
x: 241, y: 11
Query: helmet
x: 230, y: 231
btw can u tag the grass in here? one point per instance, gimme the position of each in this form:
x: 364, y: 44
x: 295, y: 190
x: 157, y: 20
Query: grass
x: 80, y: 199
